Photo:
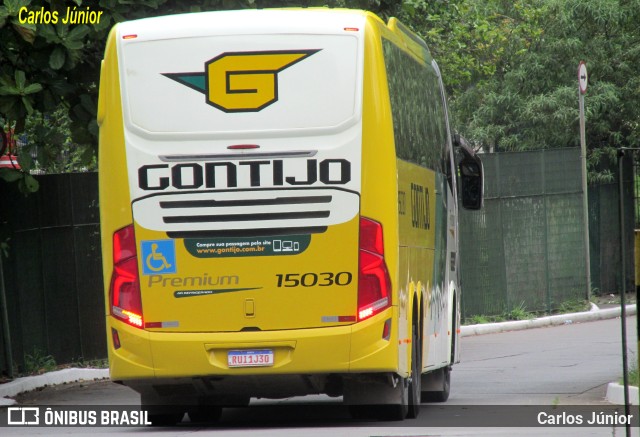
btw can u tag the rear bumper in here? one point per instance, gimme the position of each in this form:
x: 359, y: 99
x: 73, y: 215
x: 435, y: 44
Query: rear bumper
x: 357, y: 348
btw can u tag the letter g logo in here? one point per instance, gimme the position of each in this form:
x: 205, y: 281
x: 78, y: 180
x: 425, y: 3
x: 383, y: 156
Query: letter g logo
x: 242, y: 81
x: 247, y: 82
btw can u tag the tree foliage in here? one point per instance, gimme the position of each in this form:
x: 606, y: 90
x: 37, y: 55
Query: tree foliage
x: 530, y: 99
x: 510, y: 67
x: 474, y: 40
x: 46, y: 67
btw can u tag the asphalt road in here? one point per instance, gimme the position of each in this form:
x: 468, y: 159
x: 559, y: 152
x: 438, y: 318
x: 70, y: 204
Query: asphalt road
x: 569, y: 365
x: 540, y: 368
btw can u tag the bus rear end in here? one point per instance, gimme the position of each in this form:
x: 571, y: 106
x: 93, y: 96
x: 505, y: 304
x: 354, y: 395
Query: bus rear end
x: 236, y: 260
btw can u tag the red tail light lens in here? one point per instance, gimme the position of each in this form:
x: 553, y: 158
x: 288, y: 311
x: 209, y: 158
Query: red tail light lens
x: 126, y: 301
x: 374, y: 283
x: 371, y: 236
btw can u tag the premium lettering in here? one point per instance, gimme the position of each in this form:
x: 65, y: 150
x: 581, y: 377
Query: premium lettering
x: 192, y: 281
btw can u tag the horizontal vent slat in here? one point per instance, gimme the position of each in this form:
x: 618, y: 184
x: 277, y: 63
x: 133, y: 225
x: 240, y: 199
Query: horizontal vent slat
x: 268, y: 232
x: 246, y: 217
x: 209, y: 203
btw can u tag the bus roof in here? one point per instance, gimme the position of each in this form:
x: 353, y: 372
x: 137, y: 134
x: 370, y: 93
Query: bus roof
x: 245, y: 22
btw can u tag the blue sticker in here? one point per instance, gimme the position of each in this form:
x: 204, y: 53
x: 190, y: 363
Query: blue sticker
x: 158, y: 257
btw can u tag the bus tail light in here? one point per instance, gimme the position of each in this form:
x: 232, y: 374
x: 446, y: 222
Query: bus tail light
x: 374, y: 283
x: 124, y: 294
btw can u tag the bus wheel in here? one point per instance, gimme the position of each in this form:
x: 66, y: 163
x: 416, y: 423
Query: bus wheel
x: 416, y: 377
x: 441, y: 379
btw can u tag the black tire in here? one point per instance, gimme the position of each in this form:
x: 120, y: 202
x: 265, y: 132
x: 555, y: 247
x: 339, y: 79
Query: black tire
x: 443, y: 394
x: 416, y: 370
x: 396, y: 412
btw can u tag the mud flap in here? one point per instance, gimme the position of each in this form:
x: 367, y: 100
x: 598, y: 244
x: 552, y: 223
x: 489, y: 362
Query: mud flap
x: 383, y: 397
x: 436, y: 385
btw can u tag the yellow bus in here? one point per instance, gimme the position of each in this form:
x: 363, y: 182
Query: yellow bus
x: 279, y: 197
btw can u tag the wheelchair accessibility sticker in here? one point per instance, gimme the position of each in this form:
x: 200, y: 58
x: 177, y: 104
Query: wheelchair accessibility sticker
x: 158, y: 257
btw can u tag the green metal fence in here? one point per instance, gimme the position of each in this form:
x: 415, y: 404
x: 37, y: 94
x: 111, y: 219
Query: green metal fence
x: 53, y: 275
x: 525, y: 248
x: 604, y: 232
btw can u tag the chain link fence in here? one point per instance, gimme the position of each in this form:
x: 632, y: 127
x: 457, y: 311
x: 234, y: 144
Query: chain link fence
x: 525, y: 249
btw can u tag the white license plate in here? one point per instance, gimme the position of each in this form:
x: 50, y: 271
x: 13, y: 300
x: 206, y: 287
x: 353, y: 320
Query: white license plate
x: 250, y: 358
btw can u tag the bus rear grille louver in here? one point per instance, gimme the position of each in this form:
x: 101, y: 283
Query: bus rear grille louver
x: 181, y: 214
x: 309, y: 200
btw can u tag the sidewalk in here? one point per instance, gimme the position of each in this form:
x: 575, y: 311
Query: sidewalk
x: 28, y: 383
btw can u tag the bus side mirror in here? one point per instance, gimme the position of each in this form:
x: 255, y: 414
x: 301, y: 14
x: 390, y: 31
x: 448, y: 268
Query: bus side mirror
x: 470, y: 174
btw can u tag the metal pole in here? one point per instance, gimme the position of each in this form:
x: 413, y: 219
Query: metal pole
x: 6, y: 336
x: 585, y: 208
x: 623, y: 308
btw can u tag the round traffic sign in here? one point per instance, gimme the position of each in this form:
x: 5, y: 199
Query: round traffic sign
x: 583, y: 77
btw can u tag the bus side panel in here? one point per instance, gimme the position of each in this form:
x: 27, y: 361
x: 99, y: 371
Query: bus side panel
x: 379, y: 189
x: 417, y: 218
x: 444, y: 323
x: 452, y: 356
x: 421, y: 141
x: 134, y: 357
x: 437, y: 329
x: 453, y: 265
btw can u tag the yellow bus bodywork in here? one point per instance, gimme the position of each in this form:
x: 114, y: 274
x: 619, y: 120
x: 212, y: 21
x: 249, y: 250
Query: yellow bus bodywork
x: 388, y: 185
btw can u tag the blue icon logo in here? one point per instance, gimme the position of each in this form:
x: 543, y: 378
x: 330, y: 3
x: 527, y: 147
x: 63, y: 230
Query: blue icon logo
x: 158, y: 257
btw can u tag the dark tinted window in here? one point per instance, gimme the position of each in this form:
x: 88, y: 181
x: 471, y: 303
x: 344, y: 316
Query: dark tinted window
x: 416, y: 102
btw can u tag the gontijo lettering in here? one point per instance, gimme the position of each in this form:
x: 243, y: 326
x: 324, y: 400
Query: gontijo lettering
x: 189, y: 176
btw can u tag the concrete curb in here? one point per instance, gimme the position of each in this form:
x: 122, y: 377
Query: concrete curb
x: 615, y: 394
x: 560, y: 319
x: 28, y: 383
